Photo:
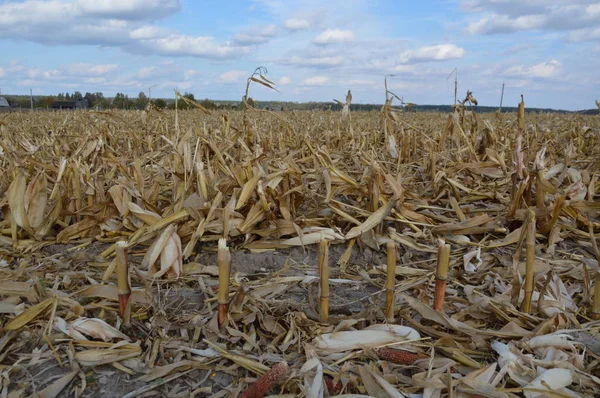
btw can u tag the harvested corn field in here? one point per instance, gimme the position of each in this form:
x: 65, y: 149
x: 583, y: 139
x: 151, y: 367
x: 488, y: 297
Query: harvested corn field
x: 310, y: 254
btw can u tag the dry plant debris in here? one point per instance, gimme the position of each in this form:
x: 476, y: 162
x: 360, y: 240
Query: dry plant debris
x: 110, y: 281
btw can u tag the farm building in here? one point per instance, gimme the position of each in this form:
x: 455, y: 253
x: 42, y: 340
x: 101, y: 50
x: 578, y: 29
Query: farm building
x: 77, y: 104
x: 4, y: 104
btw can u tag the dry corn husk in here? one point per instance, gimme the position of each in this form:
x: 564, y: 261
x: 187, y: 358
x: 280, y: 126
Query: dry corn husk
x: 168, y: 248
x: 92, y: 327
x: 373, y: 336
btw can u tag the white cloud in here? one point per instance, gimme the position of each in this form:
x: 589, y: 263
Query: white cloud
x: 405, y: 69
x: 506, y: 24
x: 440, y: 52
x: 518, y: 83
x: 191, y: 73
x: 233, y: 76
x: 517, y: 48
x: 317, y: 62
x: 179, y: 85
x: 507, y: 16
x: 146, y: 32
x: 147, y: 72
x: 195, y: 46
x: 362, y: 82
x: 541, y: 70
x: 117, y: 23
x: 83, y: 69
x: 129, y: 9
x: 316, y: 81
x: 285, y: 80
x: 2, y: 72
x: 334, y: 36
x: 256, y: 35
x: 584, y: 35
x: 296, y: 24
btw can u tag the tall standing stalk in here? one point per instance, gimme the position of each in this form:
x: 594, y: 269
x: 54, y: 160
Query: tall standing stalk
x: 123, y: 284
x: 530, y: 250
x: 224, y: 263
x: 441, y: 275
x: 390, y: 284
x: 324, y: 280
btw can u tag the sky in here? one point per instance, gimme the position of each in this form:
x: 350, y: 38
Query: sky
x: 314, y: 50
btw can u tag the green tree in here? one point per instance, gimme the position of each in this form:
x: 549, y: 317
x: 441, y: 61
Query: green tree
x: 142, y: 100
x: 160, y: 103
x: 46, y: 102
x: 122, y: 101
x: 208, y: 104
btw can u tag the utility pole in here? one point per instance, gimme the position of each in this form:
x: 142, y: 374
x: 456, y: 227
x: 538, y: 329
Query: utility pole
x: 31, y: 97
x: 501, y: 96
x: 455, y: 72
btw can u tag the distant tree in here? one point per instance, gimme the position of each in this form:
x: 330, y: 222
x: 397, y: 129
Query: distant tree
x: 46, y: 102
x: 208, y: 104
x: 249, y: 101
x: 141, y: 101
x: 122, y: 101
x: 160, y: 103
x: 91, y: 99
x: 183, y: 104
x: 67, y: 97
x: 76, y: 95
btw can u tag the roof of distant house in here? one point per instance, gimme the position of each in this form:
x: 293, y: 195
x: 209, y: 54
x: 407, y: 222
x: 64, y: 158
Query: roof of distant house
x: 4, y: 102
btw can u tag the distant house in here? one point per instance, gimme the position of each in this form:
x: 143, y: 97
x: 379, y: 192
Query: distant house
x: 4, y: 106
x: 77, y: 104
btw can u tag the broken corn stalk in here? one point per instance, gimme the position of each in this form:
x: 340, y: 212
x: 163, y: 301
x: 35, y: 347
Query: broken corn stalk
x: 530, y: 250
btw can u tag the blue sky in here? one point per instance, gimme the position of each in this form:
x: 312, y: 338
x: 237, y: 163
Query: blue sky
x: 548, y: 50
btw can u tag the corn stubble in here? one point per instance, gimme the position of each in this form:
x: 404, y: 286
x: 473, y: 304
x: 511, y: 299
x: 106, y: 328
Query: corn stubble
x: 134, y: 216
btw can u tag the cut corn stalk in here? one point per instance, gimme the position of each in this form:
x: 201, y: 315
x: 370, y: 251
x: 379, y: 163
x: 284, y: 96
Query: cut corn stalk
x: 224, y: 263
x: 390, y: 285
x: 123, y: 282
x: 441, y: 275
x: 324, y: 280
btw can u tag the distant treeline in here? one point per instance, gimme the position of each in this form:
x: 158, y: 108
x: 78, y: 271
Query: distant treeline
x: 123, y: 101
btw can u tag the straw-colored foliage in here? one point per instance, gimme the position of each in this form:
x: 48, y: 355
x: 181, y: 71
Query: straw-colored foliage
x: 513, y: 195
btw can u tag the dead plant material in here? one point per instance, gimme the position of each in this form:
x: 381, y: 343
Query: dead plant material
x: 280, y: 187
